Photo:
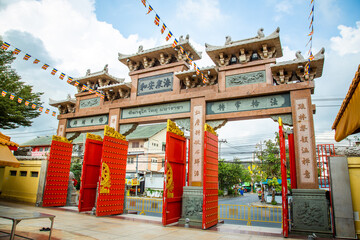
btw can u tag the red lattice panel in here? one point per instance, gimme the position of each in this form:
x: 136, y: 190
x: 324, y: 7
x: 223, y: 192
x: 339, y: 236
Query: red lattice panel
x: 114, y: 154
x: 57, y: 176
x: 210, y: 186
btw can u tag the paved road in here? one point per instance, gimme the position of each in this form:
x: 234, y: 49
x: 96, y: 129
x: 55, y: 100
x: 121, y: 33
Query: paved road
x: 241, y: 200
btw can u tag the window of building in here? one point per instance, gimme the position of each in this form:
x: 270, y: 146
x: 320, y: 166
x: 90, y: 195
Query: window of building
x: 34, y: 174
x: 162, y: 162
x: 13, y: 173
x: 130, y: 160
x: 154, y: 160
x: 23, y: 173
x: 163, y: 146
x: 135, y: 144
x: 40, y: 149
x: 46, y: 149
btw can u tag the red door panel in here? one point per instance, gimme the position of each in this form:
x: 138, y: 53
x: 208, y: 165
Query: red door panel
x: 210, y: 185
x: 175, y: 171
x: 110, y: 198
x: 90, y: 174
x: 57, y: 175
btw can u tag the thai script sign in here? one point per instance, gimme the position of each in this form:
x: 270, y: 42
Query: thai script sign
x: 155, y: 84
x: 88, y: 121
x: 245, y: 79
x: 248, y: 104
x: 160, y: 109
x: 93, y: 102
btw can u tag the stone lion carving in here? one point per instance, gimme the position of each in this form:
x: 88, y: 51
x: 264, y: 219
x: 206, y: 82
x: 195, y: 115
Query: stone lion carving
x: 227, y: 40
x: 106, y: 69
x: 88, y: 72
x: 140, y: 49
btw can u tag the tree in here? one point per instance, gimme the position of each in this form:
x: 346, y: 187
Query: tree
x: 230, y: 173
x: 12, y: 113
x: 270, y: 158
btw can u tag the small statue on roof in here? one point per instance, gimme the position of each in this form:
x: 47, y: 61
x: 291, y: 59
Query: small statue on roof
x: 260, y: 33
x: 298, y: 56
x: 140, y: 49
x: 227, y: 40
x: 88, y: 72
x: 106, y: 68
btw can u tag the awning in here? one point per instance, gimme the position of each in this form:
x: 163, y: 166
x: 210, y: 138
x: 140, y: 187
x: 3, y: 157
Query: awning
x: 7, y: 158
x: 347, y: 121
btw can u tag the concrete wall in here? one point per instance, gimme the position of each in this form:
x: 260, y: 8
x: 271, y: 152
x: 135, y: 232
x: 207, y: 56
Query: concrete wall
x: 21, y: 188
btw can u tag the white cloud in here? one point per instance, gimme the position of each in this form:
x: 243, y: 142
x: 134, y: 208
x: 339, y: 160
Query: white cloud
x: 288, y: 54
x: 283, y: 7
x: 349, y: 40
x: 71, y: 33
x: 205, y: 12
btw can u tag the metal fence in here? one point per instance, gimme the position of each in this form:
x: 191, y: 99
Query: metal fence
x: 268, y: 214
x: 143, y: 205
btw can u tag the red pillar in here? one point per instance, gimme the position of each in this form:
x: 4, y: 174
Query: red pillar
x: 283, y: 180
x: 292, y: 160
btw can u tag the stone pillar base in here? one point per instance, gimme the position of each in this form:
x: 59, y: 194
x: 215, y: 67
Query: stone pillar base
x: 310, y: 212
x: 192, y: 203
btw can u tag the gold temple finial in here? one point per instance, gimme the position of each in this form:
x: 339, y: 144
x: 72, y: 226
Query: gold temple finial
x: 208, y: 128
x: 60, y: 139
x: 109, y: 131
x: 171, y: 127
x: 94, y: 137
x: 280, y: 121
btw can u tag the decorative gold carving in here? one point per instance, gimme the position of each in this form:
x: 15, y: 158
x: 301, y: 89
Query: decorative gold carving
x: 60, y: 139
x: 169, y: 181
x: 171, y: 127
x: 93, y: 137
x: 105, y: 182
x: 109, y: 131
x: 208, y: 128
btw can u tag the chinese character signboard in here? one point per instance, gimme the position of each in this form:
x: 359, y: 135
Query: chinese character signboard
x: 88, y: 121
x: 155, y: 84
x: 248, y: 104
x: 197, y: 147
x: 305, y: 149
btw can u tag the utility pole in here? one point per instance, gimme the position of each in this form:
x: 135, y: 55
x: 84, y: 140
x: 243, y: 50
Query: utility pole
x: 221, y: 141
x: 137, y: 177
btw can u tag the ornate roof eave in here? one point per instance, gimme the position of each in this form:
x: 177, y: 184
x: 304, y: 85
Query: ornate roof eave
x: 116, y: 86
x: 300, y: 61
x: 250, y: 43
x: 123, y: 58
x: 96, y: 75
x: 354, y: 84
x: 213, y: 71
x: 56, y: 103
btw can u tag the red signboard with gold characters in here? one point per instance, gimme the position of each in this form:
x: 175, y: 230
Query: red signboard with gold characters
x: 58, y: 170
x: 210, y: 185
x: 111, y: 190
x: 175, y: 171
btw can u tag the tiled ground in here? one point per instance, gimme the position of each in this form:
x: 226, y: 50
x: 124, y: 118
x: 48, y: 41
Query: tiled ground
x: 72, y: 225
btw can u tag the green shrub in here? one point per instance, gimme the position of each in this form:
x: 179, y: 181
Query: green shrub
x: 231, y: 191
x: 273, y: 203
x: 221, y: 192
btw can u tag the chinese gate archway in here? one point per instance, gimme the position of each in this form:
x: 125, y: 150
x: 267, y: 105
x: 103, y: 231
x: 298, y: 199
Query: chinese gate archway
x: 211, y: 183
x: 90, y: 172
x: 175, y: 171
x: 57, y: 176
x: 111, y: 187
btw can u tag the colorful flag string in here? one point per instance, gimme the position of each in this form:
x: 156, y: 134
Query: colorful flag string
x: 5, y: 46
x: 27, y: 103
x: 311, y: 26
x: 157, y: 21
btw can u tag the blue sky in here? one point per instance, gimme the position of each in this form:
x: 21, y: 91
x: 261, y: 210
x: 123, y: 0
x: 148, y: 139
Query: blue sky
x: 74, y: 36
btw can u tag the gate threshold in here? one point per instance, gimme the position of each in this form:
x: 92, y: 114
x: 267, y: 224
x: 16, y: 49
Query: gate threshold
x: 244, y: 229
